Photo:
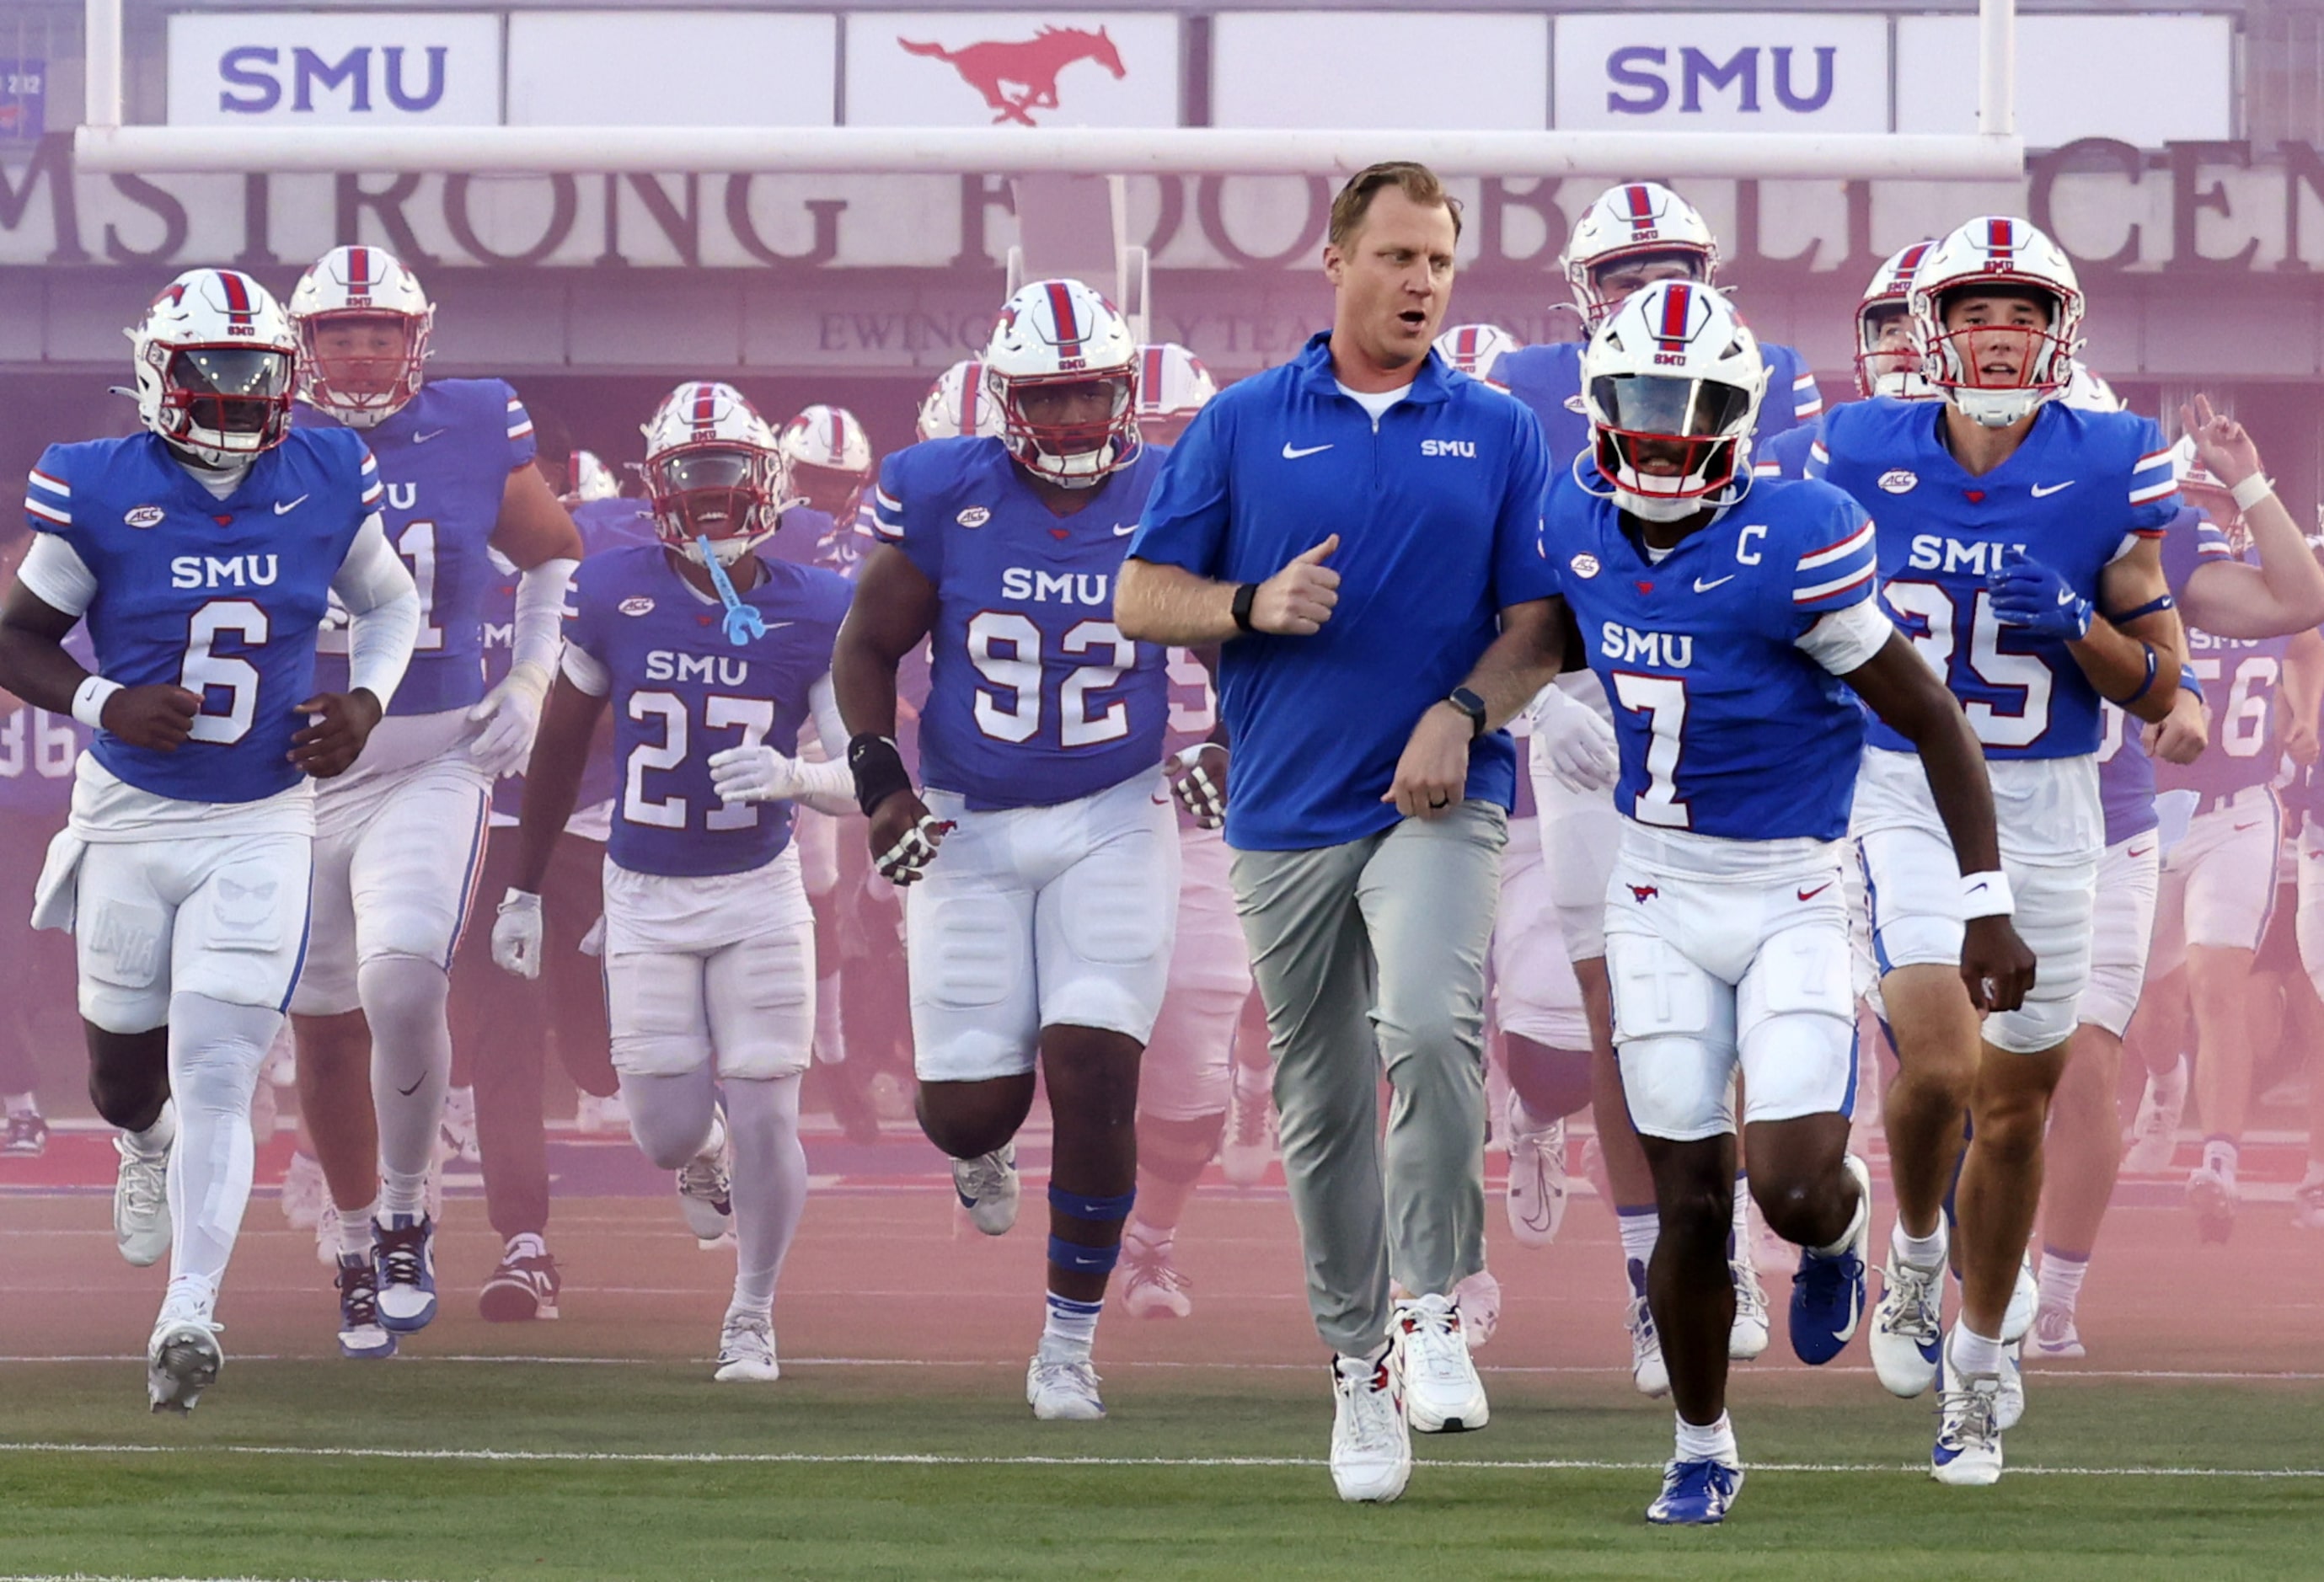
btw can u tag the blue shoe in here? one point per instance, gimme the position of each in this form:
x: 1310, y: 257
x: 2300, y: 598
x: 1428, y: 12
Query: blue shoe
x: 405, y: 1247
x: 361, y: 1335
x: 1696, y: 1493
x: 1828, y: 1293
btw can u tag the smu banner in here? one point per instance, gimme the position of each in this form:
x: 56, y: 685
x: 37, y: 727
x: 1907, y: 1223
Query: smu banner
x: 306, y: 68
x: 1697, y: 71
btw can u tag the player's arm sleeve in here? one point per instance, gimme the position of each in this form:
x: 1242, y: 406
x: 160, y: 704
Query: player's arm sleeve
x: 1192, y: 503
x: 583, y: 660
x: 828, y: 787
x: 2192, y: 540
x: 382, y: 612
x: 48, y: 494
x: 1837, y: 620
x: 522, y: 445
x: 539, y: 612
x: 1807, y: 397
x: 53, y: 572
x: 2153, y: 488
x: 900, y: 515
x: 1522, y: 572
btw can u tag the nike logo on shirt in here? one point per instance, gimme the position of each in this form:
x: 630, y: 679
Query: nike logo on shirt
x: 2044, y: 491
x: 424, y: 438
x: 1123, y: 529
x: 1291, y: 454
x: 284, y: 506
x: 1701, y: 586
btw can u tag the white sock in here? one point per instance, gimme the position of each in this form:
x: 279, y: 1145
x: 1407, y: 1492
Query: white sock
x: 404, y: 1194
x: 830, y: 1040
x: 1710, y: 1442
x: 1739, y: 1236
x: 1070, y: 1331
x: 215, y: 1051
x: 2219, y: 1155
x: 354, y: 1230
x: 156, y: 1138
x: 1972, y: 1353
x: 1855, y: 1224
x: 1640, y: 1228
x: 2060, y: 1282
x: 1923, y: 1252
x: 770, y: 1182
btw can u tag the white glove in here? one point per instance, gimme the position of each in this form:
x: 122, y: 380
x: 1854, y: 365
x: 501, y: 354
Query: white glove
x: 907, y: 860
x: 755, y: 773
x: 1202, y: 795
x: 516, y: 935
x: 506, y: 719
x: 1583, y: 755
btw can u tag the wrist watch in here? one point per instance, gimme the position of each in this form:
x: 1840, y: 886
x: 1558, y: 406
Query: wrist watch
x: 1471, y: 704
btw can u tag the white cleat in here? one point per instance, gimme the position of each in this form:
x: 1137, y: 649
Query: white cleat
x: 1746, y: 1337
x: 326, y: 1233
x: 457, y: 1131
x: 1968, y: 1451
x: 141, y: 1203
x: 2024, y: 1299
x: 593, y: 1116
x: 1906, y: 1327
x: 2054, y: 1334
x: 2308, y: 1206
x: 2009, y: 1402
x: 2211, y: 1193
x: 705, y: 1189
x: 988, y: 1189
x: 1152, y: 1286
x: 1535, y: 1199
x: 1479, y: 1298
x: 746, y: 1349
x: 2156, y: 1132
x: 181, y: 1360
x: 1061, y: 1388
x: 1371, y: 1444
x: 304, y: 1192
x: 1648, y: 1371
x: 1442, y: 1392
x: 1248, y: 1145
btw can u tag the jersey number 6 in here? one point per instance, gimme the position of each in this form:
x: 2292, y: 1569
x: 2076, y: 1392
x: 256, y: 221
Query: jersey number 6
x: 204, y: 672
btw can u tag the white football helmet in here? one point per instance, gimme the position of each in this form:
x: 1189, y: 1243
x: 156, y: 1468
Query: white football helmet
x: 1671, y: 384
x: 588, y: 478
x: 1172, y: 385
x: 1059, y: 342
x: 2091, y: 392
x: 956, y: 404
x: 1638, y: 219
x: 349, y: 288
x: 215, y: 361
x: 1474, y: 348
x: 828, y: 456
x: 1891, y: 373
x: 712, y: 471
x: 1994, y: 252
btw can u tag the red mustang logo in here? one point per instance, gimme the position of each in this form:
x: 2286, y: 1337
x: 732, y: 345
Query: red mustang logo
x: 1642, y: 894
x: 1021, y: 77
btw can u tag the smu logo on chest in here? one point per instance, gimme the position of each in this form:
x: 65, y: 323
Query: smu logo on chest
x: 224, y: 571
x: 709, y: 670
x: 404, y: 496
x: 1664, y: 650
x: 1025, y: 585
x: 1935, y: 552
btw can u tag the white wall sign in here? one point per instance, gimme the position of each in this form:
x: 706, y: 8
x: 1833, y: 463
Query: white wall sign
x: 304, y: 68
x: 1012, y: 67
x: 654, y: 68
x: 2146, y: 80
x: 1453, y: 72
x: 1722, y: 71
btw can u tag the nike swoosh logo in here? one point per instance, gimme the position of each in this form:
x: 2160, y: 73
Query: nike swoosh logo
x: 2137, y: 851
x: 408, y: 1092
x: 1812, y: 894
x: 2253, y: 825
x: 2044, y: 491
x: 1290, y: 454
x: 424, y: 438
x: 1123, y: 529
x: 2065, y: 597
x: 1703, y: 587
x: 283, y: 507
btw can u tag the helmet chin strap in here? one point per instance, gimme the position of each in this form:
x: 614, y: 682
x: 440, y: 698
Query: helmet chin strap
x: 741, y: 621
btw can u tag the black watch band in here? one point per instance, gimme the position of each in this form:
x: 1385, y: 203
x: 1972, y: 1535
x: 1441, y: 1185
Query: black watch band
x: 1471, y: 704
x: 1245, y: 596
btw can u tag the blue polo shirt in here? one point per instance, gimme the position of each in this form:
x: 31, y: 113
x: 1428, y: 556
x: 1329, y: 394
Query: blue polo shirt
x: 1438, y: 508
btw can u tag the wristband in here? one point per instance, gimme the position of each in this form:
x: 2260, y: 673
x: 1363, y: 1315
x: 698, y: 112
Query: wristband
x: 1244, y: 597
x: 89, y: 700
x: 2252, y: 491
x: 1987, y: 895
x: 2190, y: 683
x: 2154, y: 665
x: 2151, y: 607
x: 879, y: 770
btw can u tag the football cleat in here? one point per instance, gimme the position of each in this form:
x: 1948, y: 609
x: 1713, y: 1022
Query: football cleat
x: 326, y: 1233
x: 1250, y: 1142
x: 746, y: 1349
x: 2009, y: 1401
x: 523, y: 1287
x: 593, y: 1115
x: 406, y: 1249
x: 2054, y: 1334
x: 1062, y: 1388
x: 2211, y: 1193
x: 706, y: 1190
x: 1747, y: 1337
x: 2308, y: 1206
x: 1968, y: 1432
x: 1152, y: 1286
x: 1828, y: 1293
x: 1479, y: 1298
x: 182, y: 1359
x: 1905, y: 1326
x: 457, y: 1131
x: 1442, y: 1392
x: 304, y: 1192
x: 360, y: 1334
x: 1536, y: 1195
x: 2156, y: 1132
x: 1371, y: 1444
x: 988, y: 1189
x: 2024, y: 1297
x: 1648, y: 1371
x: 141, y: 1203
x: 27, y: 1138
x: 1696, y: 1493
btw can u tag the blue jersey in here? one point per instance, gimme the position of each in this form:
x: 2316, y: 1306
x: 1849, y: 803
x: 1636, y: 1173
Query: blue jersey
x: 1785, y: 454
x: 1437, y: 505
x: 446, y: 458
x: 1548, y: 379
x: 223, y: 597
x: 2077, y: 490
x: 2125, y: 776
x: 2239, y: 676
x: 1726, y: 726
x: 811, y: 537
x: 1034, y: 696
x: 682, y: 692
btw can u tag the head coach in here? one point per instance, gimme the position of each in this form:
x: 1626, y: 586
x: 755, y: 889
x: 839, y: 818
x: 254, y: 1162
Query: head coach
x: 1359, y: 527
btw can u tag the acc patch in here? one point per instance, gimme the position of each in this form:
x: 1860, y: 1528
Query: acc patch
x: 1575, y: 403
x: 1584, y: 564
x: 1898, y: 481
x: 975, y: 516
x: 638, y: 604
x: 145, y: 516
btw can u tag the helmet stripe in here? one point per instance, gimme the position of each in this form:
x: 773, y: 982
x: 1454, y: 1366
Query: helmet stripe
x: 237, y: 298
x: 2000, y: 237
x: 838, y: 436
x: 359, y: 269
x: 1677, y: 302
x: 972, y: 388
x: 705, y: 409
x: 1149, y: 378
x: 1061, y: 304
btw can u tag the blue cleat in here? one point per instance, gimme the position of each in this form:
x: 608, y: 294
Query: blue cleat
x: 405, y: 1247
x: 1828, y: 1293
x: 1696, y: 1493
x: 361, y: 1335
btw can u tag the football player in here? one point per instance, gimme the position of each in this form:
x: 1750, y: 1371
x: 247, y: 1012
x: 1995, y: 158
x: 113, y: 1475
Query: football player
x: 829, y: 456
x: 203, y: 552
x: 399, y: 841
x: 713, y: 657
x: 1043, y: 840
x: 1728, y: 625
x: 1475, y: 348
x: 958, y: 404
x: 2019, y: 550
x: 1886, y: 362
x: 1172, y: 385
